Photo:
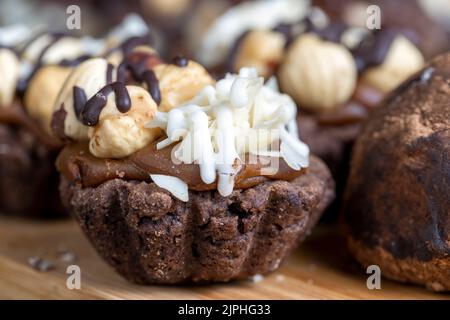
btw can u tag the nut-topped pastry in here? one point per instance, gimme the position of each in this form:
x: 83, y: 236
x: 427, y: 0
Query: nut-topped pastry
x: 34, y: 66
x: 32, y: 74
x: 337, y: 74
x: 177, y: 178
x: 397, y: 202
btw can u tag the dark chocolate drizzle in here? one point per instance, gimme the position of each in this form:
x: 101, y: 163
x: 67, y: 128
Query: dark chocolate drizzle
x: 137, y: 65
x: 79, y: 101
x: 127, y: 46
x: 373, y: 49
x: 140, y: 73
x: 180, y: 61
x: 74, y: 62
x: 94, y: 106
x: 22, y: 84
x: 109, y: 73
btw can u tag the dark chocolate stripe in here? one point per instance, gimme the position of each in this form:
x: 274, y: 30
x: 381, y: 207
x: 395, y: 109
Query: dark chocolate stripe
x: 373, y: 49
x: 128, y: 45
x: 140, y: 73
x: 152, y: 83
x: 79, y: 101
x: 74, y: 62
x: 94, y: 106
x: 180, y: 61
x: 109, y: 73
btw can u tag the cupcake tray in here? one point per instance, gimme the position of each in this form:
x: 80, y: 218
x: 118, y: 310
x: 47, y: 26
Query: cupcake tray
x: 320, y: 269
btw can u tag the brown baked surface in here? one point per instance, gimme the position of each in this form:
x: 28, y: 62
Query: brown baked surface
x: 148, y: 236
x: 397, y: 202
x: 28, y: 179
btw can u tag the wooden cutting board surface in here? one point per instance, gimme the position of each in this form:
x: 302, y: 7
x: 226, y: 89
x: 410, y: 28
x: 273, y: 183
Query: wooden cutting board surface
x: 319, y: 269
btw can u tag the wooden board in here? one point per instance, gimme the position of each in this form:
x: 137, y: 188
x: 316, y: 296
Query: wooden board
x: 320, y: 269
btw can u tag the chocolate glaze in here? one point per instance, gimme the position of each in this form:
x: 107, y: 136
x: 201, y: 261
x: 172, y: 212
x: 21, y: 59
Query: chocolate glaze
x: 15, y: 115
x: 79, y: 166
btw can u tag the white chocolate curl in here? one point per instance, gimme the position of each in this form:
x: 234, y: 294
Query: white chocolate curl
x: 225, y: 121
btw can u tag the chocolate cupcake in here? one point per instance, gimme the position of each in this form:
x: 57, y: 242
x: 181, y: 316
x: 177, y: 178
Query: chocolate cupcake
x: 337, y: 74
x: 28, y: 181
x: 175, y: 178
x: 34, y: 66
x: 397, y: 201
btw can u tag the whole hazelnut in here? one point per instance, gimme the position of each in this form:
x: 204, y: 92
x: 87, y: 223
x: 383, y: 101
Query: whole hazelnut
x: 402, y: 61
x: 319, y: 75
x: 262, y: 50
x: 180, y: 84
x: 117, y: 134
x: 42, y: 93
x: 90, y: 76
x: 166, y: 8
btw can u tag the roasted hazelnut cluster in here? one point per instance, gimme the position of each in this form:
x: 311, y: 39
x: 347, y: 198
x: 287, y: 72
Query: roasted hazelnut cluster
x: 118, y: 134
x: 321, y: 74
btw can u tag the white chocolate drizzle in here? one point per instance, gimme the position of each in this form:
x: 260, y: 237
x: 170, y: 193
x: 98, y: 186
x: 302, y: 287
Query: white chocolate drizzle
x: 239, y: 115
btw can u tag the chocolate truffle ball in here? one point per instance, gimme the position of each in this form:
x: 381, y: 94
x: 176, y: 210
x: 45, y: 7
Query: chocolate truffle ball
x: 397, y: 202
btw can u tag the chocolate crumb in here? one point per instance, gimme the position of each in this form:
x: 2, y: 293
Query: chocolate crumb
x: 67, y: 256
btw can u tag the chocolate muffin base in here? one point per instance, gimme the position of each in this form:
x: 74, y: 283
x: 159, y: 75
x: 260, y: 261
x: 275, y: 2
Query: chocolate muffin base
x: 28, y: 179
x: 150, y: 237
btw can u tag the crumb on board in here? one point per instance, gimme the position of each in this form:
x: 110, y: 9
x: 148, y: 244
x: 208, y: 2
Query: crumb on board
x: 40, y: 264
x: 257, y: 278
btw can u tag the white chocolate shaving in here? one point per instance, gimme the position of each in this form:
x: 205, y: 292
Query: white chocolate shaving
x: 177, y: 187
x: 238, y: 116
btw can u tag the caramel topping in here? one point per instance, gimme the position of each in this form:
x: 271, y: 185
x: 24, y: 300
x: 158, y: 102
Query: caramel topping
x: 78, y: 165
